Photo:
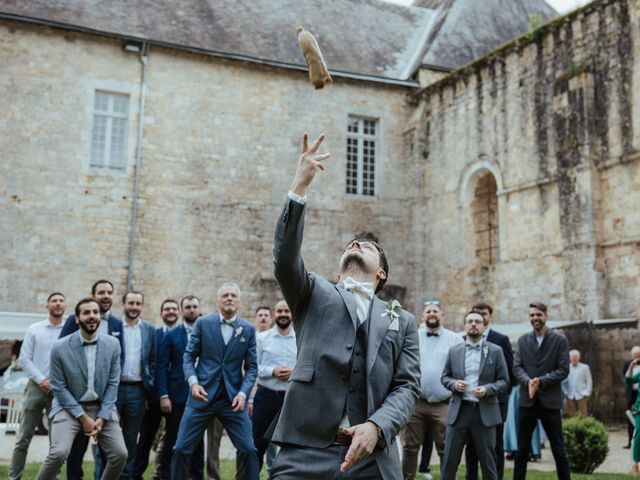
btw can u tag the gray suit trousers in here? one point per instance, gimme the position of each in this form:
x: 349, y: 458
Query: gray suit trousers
x: 309, y: 463
x: 469, y: 425
x: 64, y: 429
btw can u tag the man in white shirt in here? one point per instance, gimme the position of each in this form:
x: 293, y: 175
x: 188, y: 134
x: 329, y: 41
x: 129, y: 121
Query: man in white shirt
x: 578, y: 386
x: 276, y: 358
x: 137, y: 377
x: 431, y: 409
x: 35, y: 359
x: 263, y: 320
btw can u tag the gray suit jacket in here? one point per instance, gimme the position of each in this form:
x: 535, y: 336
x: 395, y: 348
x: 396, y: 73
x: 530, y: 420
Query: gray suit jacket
x: 68, y: 374
x: 494, y: 376
x: 549, y: 362
x: 325, y: 319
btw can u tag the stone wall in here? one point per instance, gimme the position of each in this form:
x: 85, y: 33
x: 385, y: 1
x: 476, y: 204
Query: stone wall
x: 219, y: 148
x: 554, y: 118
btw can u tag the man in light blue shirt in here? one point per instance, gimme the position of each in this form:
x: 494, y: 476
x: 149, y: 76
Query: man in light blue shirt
x: 431, y: 408
x: 276, y: 358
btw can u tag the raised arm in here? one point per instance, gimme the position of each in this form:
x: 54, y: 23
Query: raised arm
x: 289, y: 270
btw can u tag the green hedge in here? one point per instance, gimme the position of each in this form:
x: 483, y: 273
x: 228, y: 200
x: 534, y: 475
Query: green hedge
x: 586, y: 443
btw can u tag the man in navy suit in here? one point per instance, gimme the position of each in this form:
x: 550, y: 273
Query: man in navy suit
x: 153, y: 414
x: 172, y: 387
x: 102, y: 292
x: 497, y: 338
x: 224, y: 345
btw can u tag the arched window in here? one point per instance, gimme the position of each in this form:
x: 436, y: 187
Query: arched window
x: 484, y: 212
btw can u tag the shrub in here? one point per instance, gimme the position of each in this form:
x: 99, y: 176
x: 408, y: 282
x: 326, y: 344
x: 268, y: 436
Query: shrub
x: 586, y: 442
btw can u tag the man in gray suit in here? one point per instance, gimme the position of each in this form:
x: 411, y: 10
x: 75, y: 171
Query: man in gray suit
x: 84, y: 375
x: 540, y: 365
x: 476, y: 373
x: 357, y: 375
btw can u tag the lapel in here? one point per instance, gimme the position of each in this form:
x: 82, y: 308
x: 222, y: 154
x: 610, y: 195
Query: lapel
x: 350, y: 303
x: 378, y: 326
x: 461, y: 358
x: 233, y: 341
x: 217, y: 335
x: 77, y: 350
x: 483, y: 357
x: 101, y: 363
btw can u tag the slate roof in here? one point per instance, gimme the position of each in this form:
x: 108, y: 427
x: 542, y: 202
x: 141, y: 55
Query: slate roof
x: 365, y: 38
x: 466, y: 30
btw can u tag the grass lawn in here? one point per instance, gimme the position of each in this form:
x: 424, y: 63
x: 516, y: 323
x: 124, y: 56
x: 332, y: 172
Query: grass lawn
x: 228, y: 469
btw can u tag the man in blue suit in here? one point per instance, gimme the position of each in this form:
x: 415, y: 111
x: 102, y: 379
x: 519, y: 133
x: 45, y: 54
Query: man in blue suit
x: 138, y: 373
x: 172, y: 387
x: 223, y: 345
x: 101, y: 292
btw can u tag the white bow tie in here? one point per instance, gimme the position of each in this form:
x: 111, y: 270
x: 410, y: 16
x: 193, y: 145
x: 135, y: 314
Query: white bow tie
x: 363, y: 288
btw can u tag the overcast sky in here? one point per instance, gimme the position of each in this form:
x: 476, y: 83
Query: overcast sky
x: 562, y: 6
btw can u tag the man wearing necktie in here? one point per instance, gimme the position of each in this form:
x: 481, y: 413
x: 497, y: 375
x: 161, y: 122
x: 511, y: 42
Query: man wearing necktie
x: 476, y: 373
x: 357, y: 373
x: 221, y: 347
x: 84, y: 374
x: 431, y: 409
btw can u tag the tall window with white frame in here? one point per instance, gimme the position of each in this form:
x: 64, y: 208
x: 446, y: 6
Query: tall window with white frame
x: 109, y: 134
x: 362, y: 141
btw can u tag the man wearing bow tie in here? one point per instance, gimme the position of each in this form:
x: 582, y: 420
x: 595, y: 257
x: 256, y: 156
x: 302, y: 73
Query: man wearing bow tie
x: 476, y: 373
x: 221, y: 347
x: 356, y: 377
x: 431, y: 409
x: 84, y: 374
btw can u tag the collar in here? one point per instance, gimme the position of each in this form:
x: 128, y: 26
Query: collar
x: 232, y: 319
x: 363, y: 288
x: 135, y: 325
x: 291, y: 333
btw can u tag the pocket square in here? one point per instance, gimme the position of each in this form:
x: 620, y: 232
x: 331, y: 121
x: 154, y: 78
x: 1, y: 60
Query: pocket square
x: 394, y: 325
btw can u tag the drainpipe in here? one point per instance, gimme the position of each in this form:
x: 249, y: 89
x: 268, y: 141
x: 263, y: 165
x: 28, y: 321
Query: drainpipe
x: 136, y: 183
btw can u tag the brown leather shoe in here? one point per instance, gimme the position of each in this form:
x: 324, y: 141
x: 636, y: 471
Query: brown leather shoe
x: 634, y: 469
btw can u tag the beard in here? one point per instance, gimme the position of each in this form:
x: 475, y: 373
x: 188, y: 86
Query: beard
x: 283, y: 323
x: 353, y: 260
x: 432, y: 323
x: 88, y: 330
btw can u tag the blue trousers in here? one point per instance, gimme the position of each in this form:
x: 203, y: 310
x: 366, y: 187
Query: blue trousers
x: 192, y: 426
x: 131, y: 405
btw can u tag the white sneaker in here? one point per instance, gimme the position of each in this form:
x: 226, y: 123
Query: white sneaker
x: 427, y: 476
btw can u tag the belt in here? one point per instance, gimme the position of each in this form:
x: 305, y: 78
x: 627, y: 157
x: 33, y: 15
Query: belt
x: 470, y: 403
x: 92, y: 402
x: 273, y: 393
x: 129, y: 382
x: 342, y: 439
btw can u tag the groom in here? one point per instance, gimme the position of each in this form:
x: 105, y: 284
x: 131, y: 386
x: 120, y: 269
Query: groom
x: 357, y: 375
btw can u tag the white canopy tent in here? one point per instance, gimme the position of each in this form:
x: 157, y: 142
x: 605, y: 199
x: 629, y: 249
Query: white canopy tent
x: 14, y: 325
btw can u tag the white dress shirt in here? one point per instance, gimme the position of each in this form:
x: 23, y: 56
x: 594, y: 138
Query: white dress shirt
x: 362, y: 294
x: 471, y: 370
x: 132, y: 368
x: 275, y: 350
x: 90, y: 352
x: 35, y: 353
x: 227, y: 330
x: 433, y: 356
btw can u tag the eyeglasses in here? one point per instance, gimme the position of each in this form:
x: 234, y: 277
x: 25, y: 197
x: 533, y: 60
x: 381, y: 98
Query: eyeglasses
x: 475, y: 320
x: 431, y: 302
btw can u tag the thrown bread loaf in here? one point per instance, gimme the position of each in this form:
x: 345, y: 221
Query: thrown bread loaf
x: 318, y: 72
